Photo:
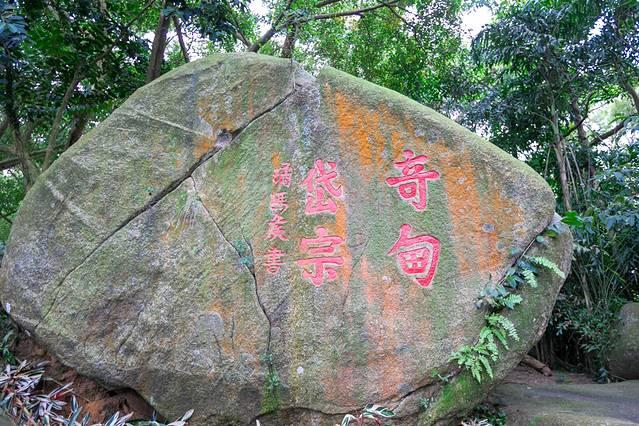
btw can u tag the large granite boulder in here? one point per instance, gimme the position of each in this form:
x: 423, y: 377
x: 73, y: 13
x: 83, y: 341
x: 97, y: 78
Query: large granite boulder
x: 623, y: 360
x: 252, y: 242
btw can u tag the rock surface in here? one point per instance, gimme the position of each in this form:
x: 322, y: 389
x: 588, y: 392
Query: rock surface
x: 570, y: 405
x: 249, y: 241
x: 624, y: 358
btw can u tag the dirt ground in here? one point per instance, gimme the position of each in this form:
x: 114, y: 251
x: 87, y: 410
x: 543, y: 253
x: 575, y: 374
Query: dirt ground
x: 523, y: 374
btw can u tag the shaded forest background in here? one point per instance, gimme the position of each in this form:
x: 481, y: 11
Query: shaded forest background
x: 552, y: 82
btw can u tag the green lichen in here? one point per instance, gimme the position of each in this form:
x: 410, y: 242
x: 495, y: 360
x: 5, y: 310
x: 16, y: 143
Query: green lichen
x: 271, y: 400
x: 180, y: 203
x: 462, y: 391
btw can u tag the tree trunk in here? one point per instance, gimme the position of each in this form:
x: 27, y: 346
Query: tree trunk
x: 29, y: 170
x: 289, y: 42
x: 57, y: 121
x: 631, y: 91
x: 157, y: 49
x: 178, y: 30
x: 582, y: 135
x: 558, y: 146
x: 563, y: 175
x: 80, y: 121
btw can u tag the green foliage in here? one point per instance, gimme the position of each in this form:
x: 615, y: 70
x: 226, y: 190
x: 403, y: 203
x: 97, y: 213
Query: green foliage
x: 529, y: 275
x: 213, y: 20
x: 606, y: 258
x: 272, y: 384
x: 8, y: 333
x: 477, y: 358
x: 13, y: 29
x: 11, y: 193
x: 425, y: 403
x: 485, y: 415
x: 501, y: 325
x: 371, y: 411
x: 542, y: 261
x: 5, y: 348
x: 412, y: 50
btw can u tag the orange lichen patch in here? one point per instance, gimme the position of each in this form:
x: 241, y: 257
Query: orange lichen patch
x: 218, y: 123
x: 382, y: 328
x: 238, y: 343
x: 492, y: 210
x: 202, y: 146
x: 370, y: 292
x: 275, y: 159
x: 509, y: 213
x: 342, y: 231
x: 465, y: 209
x: 250, y: 98
x: 360, y: 133
x: 378, y: 140
x: 339, y: 387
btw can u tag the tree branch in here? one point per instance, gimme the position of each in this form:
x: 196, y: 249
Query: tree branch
x: 178, y: 30
x: 349, y: 12
x: 289, y: 42
x: 238, y: 32
x: 4, y: 126
x: 7, y: 149
x: 268, y: 35
x: 158, y: 47
x: 326, y: 3
x: 11, y: 162
x: 77, y: 128
x: 57, y: 121
x: 5, y: 217
x: 136, y: 17
x: 603, y: 136
x: 278, y: 24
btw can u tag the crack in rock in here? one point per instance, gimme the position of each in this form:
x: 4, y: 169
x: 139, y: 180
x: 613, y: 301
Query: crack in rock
x: 223, y: 141
x: 251, y: 270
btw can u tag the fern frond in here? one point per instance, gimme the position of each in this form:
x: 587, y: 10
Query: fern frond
x: 484, y: 334
x: 510, y: 301
x: 542, y: 261
x: 492, y: 351
x: 475, y: 370
x: 484, y: 361
x: 501, y: 337
x: 530, y: 277
x: 497, y: 320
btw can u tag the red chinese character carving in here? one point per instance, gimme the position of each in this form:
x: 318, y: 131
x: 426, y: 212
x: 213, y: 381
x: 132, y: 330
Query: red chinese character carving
x: 278, y: 202
x: 274, y: 260
x: 282, y: 175
x: 275, y: 229
x: 417, y: 256
x: 412, y: 185
x: 322, y: 266
x: 321, y: 189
